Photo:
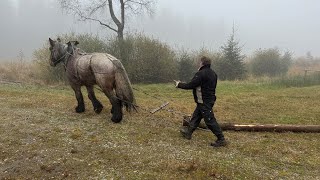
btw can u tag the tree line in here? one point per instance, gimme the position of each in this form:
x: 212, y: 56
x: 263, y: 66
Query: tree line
x: 149, y: 60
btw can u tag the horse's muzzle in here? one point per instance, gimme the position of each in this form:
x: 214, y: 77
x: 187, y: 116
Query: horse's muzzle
x: 53, y: 64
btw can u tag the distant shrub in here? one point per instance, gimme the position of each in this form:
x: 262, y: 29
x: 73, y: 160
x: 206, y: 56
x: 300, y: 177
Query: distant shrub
x: 44, y: 72
x: 186, y: 66
x: 300, y: 64
x: 146, y: 60
x: 215, y: 57
x: 88, y: 43
x: 270, y: 62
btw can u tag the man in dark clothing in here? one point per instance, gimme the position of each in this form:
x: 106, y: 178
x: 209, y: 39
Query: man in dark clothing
x: 204, y: 85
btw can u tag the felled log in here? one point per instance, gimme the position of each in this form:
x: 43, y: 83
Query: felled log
x: 261, y: 127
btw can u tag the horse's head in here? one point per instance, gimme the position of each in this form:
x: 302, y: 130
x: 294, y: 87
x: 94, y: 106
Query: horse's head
x: 57, y: 51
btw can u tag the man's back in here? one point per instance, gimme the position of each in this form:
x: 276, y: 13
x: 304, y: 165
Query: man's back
x: 208, y: 85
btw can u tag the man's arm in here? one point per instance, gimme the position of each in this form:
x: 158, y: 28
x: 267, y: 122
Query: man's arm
x: 195, y: 82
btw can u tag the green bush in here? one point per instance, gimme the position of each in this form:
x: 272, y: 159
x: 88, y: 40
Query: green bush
x: 186, y: 66
x: 88, y: 43
x: 270, y: 62
x: 45, y: 72
x: 215, y: 59
x: 146, y: 60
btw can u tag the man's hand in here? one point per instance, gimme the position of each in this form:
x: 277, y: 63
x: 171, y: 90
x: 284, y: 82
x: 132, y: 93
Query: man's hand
x: 177, y: 83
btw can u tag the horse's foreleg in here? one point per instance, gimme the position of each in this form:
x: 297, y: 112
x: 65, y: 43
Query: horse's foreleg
x: 97, y: 106
x: 116, y: 106
x: 77, y: 90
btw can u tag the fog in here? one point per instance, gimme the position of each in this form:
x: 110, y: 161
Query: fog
x: 290, y: 25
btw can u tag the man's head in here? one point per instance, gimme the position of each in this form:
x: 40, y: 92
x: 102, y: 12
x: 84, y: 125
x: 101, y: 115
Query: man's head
x: 205, y: 61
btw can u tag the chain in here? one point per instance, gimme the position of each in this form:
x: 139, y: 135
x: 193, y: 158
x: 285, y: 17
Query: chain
x: 169, y: 110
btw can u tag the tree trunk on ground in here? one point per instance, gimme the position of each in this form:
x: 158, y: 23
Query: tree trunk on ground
x: 262, y: 127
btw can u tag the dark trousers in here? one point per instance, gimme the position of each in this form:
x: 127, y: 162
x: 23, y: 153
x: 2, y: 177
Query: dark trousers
x: 205, y: 111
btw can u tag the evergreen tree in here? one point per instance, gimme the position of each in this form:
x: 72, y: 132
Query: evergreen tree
x: 186, y: 67
x: 285, y: 62
x: 231, y: 65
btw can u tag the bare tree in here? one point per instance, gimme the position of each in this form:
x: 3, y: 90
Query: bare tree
x: 111, y: 14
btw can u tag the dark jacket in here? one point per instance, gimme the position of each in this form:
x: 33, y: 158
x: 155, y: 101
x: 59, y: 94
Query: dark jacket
x: 203, y: 84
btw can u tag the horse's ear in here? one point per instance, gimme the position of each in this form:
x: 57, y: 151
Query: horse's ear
x: 76, y: 43
x: 69, y: 43
x: 51, y: 42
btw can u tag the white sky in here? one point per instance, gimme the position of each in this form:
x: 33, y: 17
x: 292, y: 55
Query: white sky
x: 288, y: 24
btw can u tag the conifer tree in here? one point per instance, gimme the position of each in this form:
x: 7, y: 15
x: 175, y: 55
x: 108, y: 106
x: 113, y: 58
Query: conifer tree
x: 231, y: 65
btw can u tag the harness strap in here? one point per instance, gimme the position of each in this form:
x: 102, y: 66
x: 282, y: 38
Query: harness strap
x: 60, y: 59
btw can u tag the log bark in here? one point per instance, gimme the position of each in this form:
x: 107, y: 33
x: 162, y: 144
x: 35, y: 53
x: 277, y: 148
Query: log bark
x: 262, y: 127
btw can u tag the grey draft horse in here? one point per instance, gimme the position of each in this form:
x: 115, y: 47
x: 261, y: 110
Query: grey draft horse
x: 90, y: 69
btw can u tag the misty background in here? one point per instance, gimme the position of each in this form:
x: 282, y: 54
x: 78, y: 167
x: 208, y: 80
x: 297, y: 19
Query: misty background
x: 290, y: 25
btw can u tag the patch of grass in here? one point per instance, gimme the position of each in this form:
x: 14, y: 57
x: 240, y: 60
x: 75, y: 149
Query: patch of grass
x: 42, y: 137
x: 297, y: 81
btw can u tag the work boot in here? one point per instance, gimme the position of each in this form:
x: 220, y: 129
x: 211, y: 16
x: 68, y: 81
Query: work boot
x: 219, y: 143
x: 186, y: 132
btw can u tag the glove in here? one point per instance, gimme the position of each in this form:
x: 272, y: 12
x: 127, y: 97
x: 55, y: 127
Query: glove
x: 177, y: 83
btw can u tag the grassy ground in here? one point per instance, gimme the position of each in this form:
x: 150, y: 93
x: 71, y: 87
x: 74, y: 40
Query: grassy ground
x: 41, y: 136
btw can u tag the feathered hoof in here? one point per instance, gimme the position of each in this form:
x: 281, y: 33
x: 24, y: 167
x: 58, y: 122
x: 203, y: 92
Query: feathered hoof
x: 80, y: 109
x: 116, y: 118
x: 97, y: 109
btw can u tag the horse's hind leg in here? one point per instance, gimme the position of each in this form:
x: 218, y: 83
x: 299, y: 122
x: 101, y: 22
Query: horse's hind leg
x: 77, y: 90
x: 97, y: 106
x: 116, y: 105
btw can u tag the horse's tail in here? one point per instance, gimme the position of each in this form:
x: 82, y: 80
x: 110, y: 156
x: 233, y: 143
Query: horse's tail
x: 123, y: 87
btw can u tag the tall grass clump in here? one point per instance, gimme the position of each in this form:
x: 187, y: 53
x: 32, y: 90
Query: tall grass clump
x: 17, y: 71
x: 297, y: 81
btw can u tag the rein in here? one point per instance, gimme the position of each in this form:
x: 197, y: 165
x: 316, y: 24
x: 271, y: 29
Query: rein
x: 60, y: 59
x: 64, y: 58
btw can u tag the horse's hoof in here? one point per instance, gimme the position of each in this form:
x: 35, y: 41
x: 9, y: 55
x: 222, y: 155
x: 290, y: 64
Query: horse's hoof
x: 116, y: 119
x: 98, y: 109
x: 80, y: 109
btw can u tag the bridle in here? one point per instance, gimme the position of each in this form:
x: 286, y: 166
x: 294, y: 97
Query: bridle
x: 63, y: 58
x: 58, y: 60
